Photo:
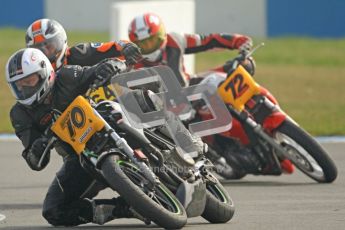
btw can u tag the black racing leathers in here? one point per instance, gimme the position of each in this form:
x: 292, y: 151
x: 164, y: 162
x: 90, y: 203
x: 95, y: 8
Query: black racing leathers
x: 63, y: 205
x: 88, y: 54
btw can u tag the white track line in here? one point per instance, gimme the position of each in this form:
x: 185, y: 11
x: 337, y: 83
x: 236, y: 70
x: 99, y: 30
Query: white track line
x: 2, y: 217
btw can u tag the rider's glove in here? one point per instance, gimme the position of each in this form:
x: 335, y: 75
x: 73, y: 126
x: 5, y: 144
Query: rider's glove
x: 131, y: 52
x: 242, y: 42
x: 248, y: 64
x: 228, y: 66
x: 108, y: 68
x: 35, y: 153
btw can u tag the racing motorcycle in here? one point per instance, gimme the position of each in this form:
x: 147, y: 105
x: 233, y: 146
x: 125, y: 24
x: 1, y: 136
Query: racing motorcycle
x: 263, y: 139
x: 193, y: 182
x: 111, y: 161
x: 98, y: 133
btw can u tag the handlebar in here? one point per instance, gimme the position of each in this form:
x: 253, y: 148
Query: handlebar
x: 101, y: 81
x: 243, y: 55
x: 249, y: 53
x: 46, y: 150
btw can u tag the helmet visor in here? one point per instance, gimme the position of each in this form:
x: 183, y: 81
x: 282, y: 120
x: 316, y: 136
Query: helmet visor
x: 26, y: 87
x: 51, y: 47
x: 152, y: 43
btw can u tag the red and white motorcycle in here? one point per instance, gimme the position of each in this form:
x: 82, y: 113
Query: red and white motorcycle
x: 263, y: 139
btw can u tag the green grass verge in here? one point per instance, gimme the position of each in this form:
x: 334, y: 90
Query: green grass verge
x: 306, y: 76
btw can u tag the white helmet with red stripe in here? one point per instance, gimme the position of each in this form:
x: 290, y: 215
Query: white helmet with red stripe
x: 50, y: 37
x: 148, y: 32
x: 30, y: 76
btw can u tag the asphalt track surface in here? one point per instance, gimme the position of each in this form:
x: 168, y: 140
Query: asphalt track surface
x: 262, y: 202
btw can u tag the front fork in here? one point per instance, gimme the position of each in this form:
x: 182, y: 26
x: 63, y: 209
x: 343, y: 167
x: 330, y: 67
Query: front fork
x: 260, y: 141
x: 126, y: 150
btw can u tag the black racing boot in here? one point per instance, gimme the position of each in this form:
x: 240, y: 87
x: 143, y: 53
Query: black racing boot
x: 123, y: 210
x: 221, y: 167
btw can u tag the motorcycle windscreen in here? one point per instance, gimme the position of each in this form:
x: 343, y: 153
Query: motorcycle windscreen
x: 170, y: 102
x: 167, y: 96
x: 238, y: 88
x: 77, y: 124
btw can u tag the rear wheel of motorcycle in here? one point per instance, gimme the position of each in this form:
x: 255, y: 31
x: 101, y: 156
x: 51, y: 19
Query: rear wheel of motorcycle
x: 219, y: 205
x: 306, y: 153
x: 160, y: 205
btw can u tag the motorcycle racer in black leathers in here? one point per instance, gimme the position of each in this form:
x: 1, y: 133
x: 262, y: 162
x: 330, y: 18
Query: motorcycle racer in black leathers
x: 50, y: 37
x: 38, y: 90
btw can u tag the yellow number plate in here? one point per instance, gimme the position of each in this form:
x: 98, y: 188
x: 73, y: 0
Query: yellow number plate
x: 103, y: 93
x: 238, y: 88
x: 77, y: 124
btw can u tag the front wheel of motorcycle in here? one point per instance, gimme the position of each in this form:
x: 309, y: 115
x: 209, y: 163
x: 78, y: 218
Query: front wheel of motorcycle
x: 158, y: 204
x: 305, y: 152
x: 219, y: 205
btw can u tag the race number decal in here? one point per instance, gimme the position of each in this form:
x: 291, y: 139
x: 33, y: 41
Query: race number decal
x: 103, y: 93
x: 77, y: 124
x: 238, y: 88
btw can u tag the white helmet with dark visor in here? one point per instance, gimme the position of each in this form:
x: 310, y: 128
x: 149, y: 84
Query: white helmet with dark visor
x: 30, y: 76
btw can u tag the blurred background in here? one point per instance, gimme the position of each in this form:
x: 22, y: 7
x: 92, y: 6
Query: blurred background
x: 302, y: 62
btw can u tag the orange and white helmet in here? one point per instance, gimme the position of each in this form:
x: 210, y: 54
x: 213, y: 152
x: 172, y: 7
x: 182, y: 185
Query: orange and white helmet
x: 50, y: 37
x: 148, y: 32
